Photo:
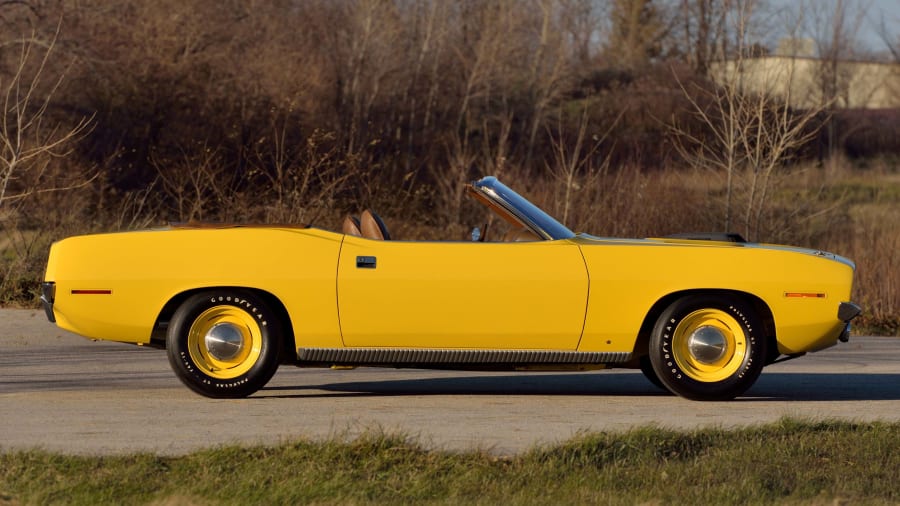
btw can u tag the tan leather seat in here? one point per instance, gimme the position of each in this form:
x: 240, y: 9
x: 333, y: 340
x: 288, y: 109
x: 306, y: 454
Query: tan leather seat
x: 372, y: 227
x: 351, y: 226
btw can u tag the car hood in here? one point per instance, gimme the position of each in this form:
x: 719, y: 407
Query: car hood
x: 590, y: 240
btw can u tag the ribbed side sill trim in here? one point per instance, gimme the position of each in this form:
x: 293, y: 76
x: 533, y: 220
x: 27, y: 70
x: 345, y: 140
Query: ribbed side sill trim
x: 456, y: 356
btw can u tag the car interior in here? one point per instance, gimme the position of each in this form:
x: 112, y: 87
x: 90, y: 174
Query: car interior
x: 503, y: 226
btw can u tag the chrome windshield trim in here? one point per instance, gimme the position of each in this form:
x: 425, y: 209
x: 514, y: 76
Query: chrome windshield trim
x: 530, y: 215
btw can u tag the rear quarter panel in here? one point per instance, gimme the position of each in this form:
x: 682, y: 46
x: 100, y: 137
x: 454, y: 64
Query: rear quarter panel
x: 143, y: 270
x: 628, y: 277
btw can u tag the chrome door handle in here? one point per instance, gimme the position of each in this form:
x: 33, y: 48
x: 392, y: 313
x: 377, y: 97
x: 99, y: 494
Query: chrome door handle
x: 365, y: 262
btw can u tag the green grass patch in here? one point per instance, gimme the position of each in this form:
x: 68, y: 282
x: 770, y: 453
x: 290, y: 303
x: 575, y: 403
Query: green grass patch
x: 788, y: 462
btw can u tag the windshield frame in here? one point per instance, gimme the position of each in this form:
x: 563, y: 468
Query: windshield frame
x: 530, y: 216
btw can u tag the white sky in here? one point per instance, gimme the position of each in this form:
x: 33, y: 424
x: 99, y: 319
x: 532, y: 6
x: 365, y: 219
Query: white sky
x: 888, y: 12
x: 878, y: 16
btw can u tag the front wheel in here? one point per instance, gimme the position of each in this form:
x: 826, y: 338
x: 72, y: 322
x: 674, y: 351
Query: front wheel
x: 708, y: 348
x: 647, y: 368
x: 224, y: 343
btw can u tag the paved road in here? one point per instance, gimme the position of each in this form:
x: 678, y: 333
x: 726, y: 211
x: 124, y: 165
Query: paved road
x: 64, y: 393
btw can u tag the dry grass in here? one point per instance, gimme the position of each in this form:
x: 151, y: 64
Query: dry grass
x: 838, y: 208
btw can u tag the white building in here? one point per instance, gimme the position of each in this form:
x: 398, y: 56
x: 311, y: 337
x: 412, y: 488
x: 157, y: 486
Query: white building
x: 804, y: 81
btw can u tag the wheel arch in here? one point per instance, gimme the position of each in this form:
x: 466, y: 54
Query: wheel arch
x: 641, y: 346
x: 160, y: 326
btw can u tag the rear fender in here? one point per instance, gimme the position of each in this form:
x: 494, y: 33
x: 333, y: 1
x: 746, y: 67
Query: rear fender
x: 160, y: 327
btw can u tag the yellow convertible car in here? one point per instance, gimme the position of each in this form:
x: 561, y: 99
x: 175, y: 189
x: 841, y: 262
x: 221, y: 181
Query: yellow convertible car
x: 700, y: 315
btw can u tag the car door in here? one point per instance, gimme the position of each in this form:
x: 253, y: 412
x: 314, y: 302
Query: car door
x: 526, y: 295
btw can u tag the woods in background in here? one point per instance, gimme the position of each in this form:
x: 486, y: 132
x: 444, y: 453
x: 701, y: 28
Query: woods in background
x: 300, y: 110
x: 396, y: 93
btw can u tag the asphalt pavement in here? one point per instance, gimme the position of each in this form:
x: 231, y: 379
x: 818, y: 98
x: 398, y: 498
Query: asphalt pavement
x: 61, y: 392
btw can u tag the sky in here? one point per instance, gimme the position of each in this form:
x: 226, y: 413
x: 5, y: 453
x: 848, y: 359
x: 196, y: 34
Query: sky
x: 889, y: 12
x: 877, y: 14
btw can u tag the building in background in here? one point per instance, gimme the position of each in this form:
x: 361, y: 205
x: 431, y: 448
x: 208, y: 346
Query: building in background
x: 804, y: 80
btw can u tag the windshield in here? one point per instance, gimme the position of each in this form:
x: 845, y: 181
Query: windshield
x: 510, y: 205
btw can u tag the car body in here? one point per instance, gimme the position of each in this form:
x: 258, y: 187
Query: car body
x: 700, y: 315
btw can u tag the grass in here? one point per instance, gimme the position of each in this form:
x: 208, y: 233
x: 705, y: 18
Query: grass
x: 867, y: 229
x: 790, y: 462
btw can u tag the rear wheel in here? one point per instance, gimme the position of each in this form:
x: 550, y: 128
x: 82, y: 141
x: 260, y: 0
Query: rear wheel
x: 708, y: 348
x: 224, y: 343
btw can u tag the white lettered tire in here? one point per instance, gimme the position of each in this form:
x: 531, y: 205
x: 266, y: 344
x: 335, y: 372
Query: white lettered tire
x: 708, y: 347
x: 224, y: 343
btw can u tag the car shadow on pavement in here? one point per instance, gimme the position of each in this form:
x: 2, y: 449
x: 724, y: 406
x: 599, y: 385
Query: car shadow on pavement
x: 826, y: 387
x: 567, y: 384
x: 769, y: 387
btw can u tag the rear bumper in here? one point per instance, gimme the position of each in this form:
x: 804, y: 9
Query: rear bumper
x: 847, y: 311
x: 48, y: 297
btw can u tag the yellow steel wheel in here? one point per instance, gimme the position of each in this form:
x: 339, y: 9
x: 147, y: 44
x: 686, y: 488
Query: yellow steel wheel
x: 224, y: 342
x: 709, y: 345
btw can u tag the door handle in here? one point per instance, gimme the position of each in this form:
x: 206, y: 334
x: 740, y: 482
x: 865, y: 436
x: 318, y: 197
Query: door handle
x: 365, y: 262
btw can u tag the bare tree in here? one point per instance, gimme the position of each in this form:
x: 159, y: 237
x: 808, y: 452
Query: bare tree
x: 573, y: 165
x: 835, y: 34
x: 636, y: 33
x: 430, y: 33
x: 747, y: 134
x: 29, y: 139
x: 548, y: 70
x: 366, y: 50
x: 305, y: 179
x: 701, y: 30
x: 891, y: 40
x: 487, y: 47
x: 32, y: 143
x: 192, y: 182
x: 580, y: 24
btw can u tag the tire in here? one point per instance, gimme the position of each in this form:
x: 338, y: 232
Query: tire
x: 224, y: 343
x: 708, y: 348
x: 650, y: 373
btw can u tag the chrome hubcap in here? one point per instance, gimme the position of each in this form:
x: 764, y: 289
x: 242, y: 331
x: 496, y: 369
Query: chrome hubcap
x: 707, y: 344
x: 224, y: 341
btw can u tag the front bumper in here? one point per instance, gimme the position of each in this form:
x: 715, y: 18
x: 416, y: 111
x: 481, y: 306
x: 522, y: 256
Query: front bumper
x: 847, y: 311
x: 48, y: 297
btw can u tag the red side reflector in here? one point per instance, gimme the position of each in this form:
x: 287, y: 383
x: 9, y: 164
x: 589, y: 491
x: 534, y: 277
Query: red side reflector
x: 805, y: 295
x: 91, y: 292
